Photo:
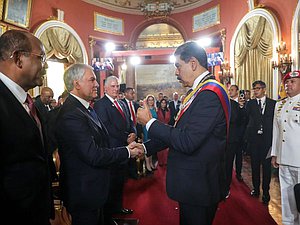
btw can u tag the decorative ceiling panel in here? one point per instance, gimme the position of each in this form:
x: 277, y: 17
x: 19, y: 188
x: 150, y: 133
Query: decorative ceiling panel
x: 133, y: 6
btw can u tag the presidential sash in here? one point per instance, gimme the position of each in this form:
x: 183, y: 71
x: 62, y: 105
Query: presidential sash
x: 211, y: 85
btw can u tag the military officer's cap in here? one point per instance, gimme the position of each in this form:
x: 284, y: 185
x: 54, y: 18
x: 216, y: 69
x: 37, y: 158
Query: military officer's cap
x: 293, y: 74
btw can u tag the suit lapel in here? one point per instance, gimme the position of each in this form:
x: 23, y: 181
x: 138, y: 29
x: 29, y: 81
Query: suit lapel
x: 85, y: 112
x: 19, y: 110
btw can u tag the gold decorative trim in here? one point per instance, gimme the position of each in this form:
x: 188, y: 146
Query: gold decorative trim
x: 18, y: 13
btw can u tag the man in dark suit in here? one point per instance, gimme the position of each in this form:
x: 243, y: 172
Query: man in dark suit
x: 260, y: 113
x: 43, y: 101
x: 116, y: 118
x: 197, y: 142
x: 25, y: 182
x: 174, y: 106
x: 233, y: 141
x: 132, y: 106
x: 84, y: 150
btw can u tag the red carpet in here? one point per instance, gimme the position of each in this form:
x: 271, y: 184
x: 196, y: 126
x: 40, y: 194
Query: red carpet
x: 151, y: 205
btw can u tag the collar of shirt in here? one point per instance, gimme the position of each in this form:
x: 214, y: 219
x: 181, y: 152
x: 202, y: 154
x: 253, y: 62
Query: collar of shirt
x: 110, y: 98
x: 294, y: 98
x: 17, y: 91
x: 236, y: 99
x: 199, y: 79
x: 263, y: 100
x: 85, y: 103
x: 128, y: 101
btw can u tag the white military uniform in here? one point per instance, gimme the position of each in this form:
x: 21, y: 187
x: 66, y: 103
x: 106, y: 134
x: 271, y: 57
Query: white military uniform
x: 286, y: 147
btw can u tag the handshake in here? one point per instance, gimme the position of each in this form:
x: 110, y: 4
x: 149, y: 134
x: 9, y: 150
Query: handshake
x: 136, y: 150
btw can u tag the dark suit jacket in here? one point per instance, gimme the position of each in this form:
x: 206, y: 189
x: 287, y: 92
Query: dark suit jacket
x: 117, y: 127
x: 196, y: 150
x: 174, y: 110
x: 138, y: 127
x: 85, y: 156
x: 42, y: 109
x: 235, y: 122
x: 254, y: 122
x: 24, y: 179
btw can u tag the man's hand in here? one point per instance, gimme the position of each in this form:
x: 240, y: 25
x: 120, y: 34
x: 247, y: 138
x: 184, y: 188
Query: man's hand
x: 273, y: 162
x: 131, y: 138
x: 144, y: 114
x: 136, y: 149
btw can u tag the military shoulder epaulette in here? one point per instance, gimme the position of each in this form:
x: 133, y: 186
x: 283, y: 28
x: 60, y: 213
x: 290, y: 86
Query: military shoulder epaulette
x: 278, y: 100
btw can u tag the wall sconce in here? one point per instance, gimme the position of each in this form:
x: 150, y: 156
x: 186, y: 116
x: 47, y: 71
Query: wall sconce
x: 285, y: 61
x: 225, y: 74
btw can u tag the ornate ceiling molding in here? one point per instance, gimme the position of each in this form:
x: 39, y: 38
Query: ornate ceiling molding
x: 132, y: 6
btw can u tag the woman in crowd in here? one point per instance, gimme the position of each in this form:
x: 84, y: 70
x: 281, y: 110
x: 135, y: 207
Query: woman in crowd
x: 163, y: 115
x: 151, y: 103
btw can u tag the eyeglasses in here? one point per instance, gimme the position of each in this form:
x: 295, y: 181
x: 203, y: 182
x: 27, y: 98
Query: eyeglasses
x: 42, y: 57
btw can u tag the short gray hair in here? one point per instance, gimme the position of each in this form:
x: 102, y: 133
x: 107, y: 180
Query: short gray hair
x: 109, y: 79
x: 74, y: 72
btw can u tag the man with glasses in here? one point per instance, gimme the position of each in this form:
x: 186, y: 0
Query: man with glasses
x: 285, y: 146
x: 25, y: 181
x: 260, y: 113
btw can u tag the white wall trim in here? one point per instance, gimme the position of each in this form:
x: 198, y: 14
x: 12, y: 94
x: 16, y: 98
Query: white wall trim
x: 276, y: 33
x: 295, y: 38
x: 55, y: 23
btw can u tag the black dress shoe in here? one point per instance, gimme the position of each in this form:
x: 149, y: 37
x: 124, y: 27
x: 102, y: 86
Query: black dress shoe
x: 254, y: 193
x: 239, y: 177
x: 266, y: 199
x: 124, y: 211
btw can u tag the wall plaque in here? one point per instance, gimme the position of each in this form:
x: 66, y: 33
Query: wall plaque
x: 206, y: 19
x: 108, y: 24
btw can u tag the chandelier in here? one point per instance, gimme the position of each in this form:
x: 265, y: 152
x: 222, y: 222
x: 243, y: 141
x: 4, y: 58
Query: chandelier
x: 285, y: 61
x: 156, y: 8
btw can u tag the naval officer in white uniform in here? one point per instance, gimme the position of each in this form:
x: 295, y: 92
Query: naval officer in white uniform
x: 286, y: 146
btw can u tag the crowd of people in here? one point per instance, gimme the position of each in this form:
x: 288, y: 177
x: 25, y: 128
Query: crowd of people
x: 102, y: 141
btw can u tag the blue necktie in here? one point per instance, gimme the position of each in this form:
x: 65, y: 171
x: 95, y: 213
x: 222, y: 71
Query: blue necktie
x: 93, y: 114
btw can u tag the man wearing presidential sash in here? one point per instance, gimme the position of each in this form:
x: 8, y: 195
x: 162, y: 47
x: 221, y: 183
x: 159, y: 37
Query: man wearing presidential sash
x: 285, y: 146
x: 195, y: 170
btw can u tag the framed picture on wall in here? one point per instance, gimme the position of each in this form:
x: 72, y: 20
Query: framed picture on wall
x: 108, y: 24
x: 17, y: 12
x: 2, y: 29
x: 1, y: 8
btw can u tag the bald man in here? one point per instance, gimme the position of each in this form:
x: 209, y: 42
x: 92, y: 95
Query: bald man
x: 43, y: 101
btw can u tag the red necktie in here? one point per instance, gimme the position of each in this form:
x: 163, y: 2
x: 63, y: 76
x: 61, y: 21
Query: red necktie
x: 132, y: 113
x: 33, y: 114
x: 119, y: 108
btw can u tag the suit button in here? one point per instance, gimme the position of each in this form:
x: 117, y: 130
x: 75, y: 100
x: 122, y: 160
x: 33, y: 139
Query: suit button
x: 283, y: 140
x: 287, y: 111
x: 284, y: 120
x: 283, y: 130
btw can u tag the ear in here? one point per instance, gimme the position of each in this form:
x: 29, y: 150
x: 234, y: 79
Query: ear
x: 76, y: 84
x: 17, y: 58
x: 193, y: 62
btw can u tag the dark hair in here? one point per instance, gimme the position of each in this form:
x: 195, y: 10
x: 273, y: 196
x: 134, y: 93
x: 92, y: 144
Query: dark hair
x: 164, y: 100
x: 234, y: 85
x: 14, y: 40
x: 261, y: 83
x: 128, y: 89
x: 192, y: 49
